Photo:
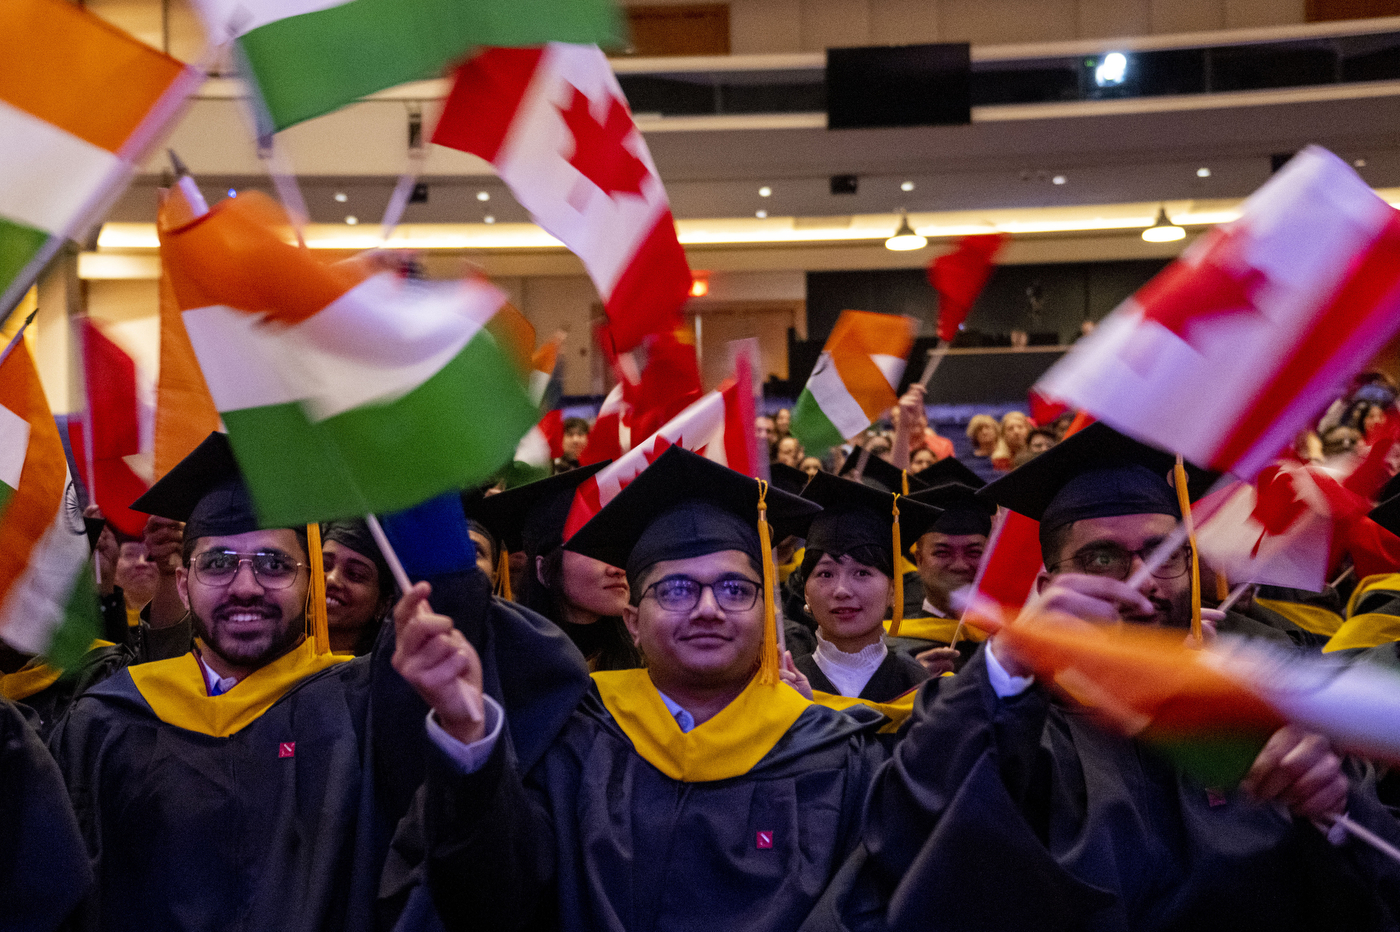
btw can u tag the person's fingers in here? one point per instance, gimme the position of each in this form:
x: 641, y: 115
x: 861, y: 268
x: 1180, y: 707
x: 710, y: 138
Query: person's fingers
x: 1124, y: 598
x: 408, y: 604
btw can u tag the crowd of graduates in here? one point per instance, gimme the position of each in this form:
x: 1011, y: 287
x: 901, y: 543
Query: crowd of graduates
x: 721, y: 704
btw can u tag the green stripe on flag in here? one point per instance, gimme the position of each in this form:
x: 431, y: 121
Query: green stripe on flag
x: 313, y: 63
x: 5, y: 494
x: 811, y: 426
x: 80, y: 625
x: 452, y: 432
x: 1217, y: 760
x: 19, y: 244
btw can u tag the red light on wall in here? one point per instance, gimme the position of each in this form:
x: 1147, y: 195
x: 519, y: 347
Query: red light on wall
x: 699, y: 287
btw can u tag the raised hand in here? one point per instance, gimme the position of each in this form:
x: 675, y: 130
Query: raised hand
x: 438, y: 661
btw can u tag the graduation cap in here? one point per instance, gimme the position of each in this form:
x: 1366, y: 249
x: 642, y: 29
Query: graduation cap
x: 949, y: 469
x: 206, y: 491
x: 963, y: 512
x: 531, y: 517
x: 1095, y: 473
x: 684, y: 506
x: 1387, y: 514
x: 787, y: 478
x: 854, y: 515
x: 880, y: 474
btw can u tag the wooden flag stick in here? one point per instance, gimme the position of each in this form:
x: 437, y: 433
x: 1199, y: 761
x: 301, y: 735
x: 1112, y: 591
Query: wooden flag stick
x: 1170, y: 544
x: 390, y: 557
x: 1368, y: 836
x: 935, y: 359
x: 859, y: 471
x: 1235, y: 595
x: 1342, y: 577
x: 398, y: 201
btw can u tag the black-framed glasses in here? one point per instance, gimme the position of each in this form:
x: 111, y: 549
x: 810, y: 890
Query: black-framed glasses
x: 271, y: 569
x: 682, y: 594
x: 1117, y: 562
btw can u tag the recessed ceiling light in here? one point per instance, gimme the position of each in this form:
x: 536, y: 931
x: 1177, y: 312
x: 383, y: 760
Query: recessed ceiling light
x: 907, y: 186
x: 483, y: 195
x: 1203, y: 172
x: 233, y: 192
x: 1058, y: 179
x: 341, y: 197
x: 488, y: 219
x: 761, y: 214
x: 765, y: 191
x: 352, y: 220
x: 1358, y: 163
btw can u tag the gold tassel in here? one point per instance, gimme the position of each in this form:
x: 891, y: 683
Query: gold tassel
x: 1183, y: 498
x: 897, y: 609
x: 768, y: 654
x: 316, y: 597
x: 503, y: 576
x: 904, y: 481
x: 1222, y: 587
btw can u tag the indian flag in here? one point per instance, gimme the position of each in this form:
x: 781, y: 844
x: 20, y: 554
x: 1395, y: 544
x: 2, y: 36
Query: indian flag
x: 855, y: 378
x: 48, y: 603
x: 80, y: 104
x: 346, y: 390
x: 309, y: 57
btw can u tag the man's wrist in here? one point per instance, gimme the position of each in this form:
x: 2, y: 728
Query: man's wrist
x: 462, y: 729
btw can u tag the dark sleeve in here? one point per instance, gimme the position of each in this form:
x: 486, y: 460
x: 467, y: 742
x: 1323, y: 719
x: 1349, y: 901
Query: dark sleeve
x: 44, y: 868
x: 490, y: 846
x: 1366, y: 807
x: 961, y: 793
x: 114, y: 624
x: 162, y: 643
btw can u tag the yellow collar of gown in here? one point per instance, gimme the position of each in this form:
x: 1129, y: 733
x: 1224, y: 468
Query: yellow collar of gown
x: 896, y: 710
x: 35, y: 677
x: 176, y: 691
x: 728, y: 745
x: 936, y: 629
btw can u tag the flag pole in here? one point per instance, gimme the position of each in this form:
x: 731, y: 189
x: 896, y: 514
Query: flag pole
x: 1171, y: 543
x: 398, y: 201
x: 14, y: 341
x: 390, y: 557
x: 1364, y: 834
x: 1342, y: 577
x: 935, y: 359
x: 1235, y: 595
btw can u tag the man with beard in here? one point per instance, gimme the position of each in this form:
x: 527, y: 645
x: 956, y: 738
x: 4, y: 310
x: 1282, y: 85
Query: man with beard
x: 1103, y: 831
x: 255, y: 781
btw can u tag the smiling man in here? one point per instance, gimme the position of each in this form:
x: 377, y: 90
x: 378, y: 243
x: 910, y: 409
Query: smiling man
x: 700, y: 792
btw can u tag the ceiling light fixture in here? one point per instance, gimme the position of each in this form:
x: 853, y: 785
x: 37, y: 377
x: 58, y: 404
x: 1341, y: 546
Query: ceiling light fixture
x: 488, y: 219
x: 1358, y: 163
x: 699, y: 287
x: 483, y: 195
x: 765, y: 191
x: 761, y: 214
x: 352, y: 220
x: 1112, y: 70
x: 1163, y: 230
x: 907, y: 186
x: 1059, y: 179
x: 1203, y: 172
x: 341, y: 197
x: 905, y: 239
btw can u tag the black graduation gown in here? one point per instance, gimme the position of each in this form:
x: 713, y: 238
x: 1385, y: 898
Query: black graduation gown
x: 44, y: 708
x: 44, y: 870
x: 1022, y: 814
x: 284, y: 824
x: 895, y: 676
x: 595, y: 838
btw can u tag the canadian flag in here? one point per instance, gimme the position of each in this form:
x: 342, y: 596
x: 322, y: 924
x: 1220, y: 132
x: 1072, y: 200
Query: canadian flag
x: 113, y: 442
x: 554, y: 122
x: 719, y: 427
x: 611, y: 435
x: 1229, y: 352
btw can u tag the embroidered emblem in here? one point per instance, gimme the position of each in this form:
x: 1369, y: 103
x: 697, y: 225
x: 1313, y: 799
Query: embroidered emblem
x: 765, y: 840
x: 287, y: 749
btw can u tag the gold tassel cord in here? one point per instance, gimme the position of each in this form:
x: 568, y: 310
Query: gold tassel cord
x: 904, y: 481
x: 1222, y: 586
x: 768, y: 654
x: 503, y: 576
x: 1183, y: 499
x: 316, y: 594
x: 897, y: 609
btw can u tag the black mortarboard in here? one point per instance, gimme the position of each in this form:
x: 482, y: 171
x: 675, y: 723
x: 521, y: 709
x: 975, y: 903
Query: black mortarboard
x: 531, y: 517
x: 1096, y: 473
x: 949, y: 469
x: 879, y: 474
x: 206, y: 491
x: 855, y: 515
x: 1387, y: 514
x: 682, y: 506
x: 963, y: 512
x: 785, y: 477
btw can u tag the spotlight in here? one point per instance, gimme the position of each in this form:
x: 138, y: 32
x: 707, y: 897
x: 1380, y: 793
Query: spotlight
x: 1203, y: 172
x: 761, y: 214
x: 352, y: 220
x: 341, y: 197
x: 488, y: 219
x: 1112, y: 70
x: 907, y: 186
x: 1059, y: 179
x: 483, y: 195
x: 765, y: 191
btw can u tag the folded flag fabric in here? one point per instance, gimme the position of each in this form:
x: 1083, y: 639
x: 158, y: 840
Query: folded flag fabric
x: 345, y: 390
x: 48, y: 603
x: 959, y: 277
x: 1008, y: 572
x: 1229, y: 352
x: 80, y: 104
x: 855, y: 378
x: 554, y: 122
x: 309, y: 57
x: 1211, y: 710
x: 719, y: 427
x: 117, y: 429
x: 611, y: 435
x: 185, y: 412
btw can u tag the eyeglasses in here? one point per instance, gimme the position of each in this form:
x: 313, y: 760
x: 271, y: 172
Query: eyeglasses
x: 682, y: 594
x: 1117, y: 562
x: 272, y: 570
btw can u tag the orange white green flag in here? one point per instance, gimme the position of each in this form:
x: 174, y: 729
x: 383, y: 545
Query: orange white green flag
x: 48, y: 603
x: 81, y: 102
x: 346, y: 389
x: 855, y: 378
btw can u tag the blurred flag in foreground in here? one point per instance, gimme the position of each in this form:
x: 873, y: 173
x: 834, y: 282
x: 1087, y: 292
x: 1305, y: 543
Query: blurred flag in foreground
x: 185, y: 413
x: 48, y: 602
x: 80, y: 104
x: 1229, y: 352
x: 959, y: 277
x: 345, y: 390
x: 554, y: 122
x: 854, y: 380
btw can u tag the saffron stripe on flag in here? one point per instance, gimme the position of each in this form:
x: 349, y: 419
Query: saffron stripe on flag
x: 829, y: 390
x: 50, y: 175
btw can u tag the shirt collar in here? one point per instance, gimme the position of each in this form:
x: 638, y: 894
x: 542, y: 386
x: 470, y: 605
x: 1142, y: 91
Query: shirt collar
x: 934, y: 610
x: 217, y: 685
x: 684, y: 719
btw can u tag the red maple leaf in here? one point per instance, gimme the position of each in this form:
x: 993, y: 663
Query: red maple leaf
x: 598, y: 150
x: 1220, y: 283
x: 1277, y: 505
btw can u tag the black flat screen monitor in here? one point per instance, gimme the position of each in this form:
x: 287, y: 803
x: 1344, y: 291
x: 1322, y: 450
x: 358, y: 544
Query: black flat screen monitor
x: 899, y: 85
